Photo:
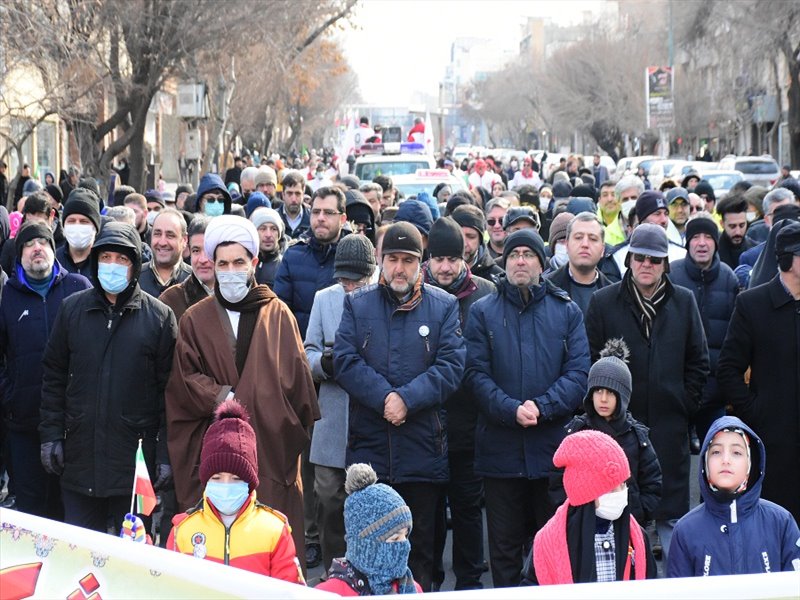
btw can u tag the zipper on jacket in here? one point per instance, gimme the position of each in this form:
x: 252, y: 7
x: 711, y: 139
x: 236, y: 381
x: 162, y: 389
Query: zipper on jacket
x: 227, y: 550
x: 491, y: 340
x: 366, y: 340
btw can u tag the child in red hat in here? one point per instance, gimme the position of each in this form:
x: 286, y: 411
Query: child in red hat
x: 229, y: 525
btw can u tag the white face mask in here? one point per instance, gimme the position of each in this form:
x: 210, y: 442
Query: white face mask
x: 561, y: 250
x: 611, y: 505
x: 750, y: 217
x: 79, y: 236
x: 151, y: 217
x: 233, y: 285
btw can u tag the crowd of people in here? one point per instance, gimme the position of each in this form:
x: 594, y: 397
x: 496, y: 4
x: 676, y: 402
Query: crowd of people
x: 322, y: 372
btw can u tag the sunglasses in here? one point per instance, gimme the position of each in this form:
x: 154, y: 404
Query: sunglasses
x: 654, y: 260
x: 493, y: 222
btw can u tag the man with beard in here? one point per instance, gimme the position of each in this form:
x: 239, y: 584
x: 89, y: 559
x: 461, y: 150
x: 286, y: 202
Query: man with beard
x: 296, y: 217
x: 679, y: 209
x: 447, y: 270
x: 732, y: 242
x: 399, y: 355
x: 473, y: 225
x: 241, y: 339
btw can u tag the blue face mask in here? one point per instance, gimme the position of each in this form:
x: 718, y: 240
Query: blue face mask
x: 214, y: 209
x: 113, y: 278
x: 228, y: 498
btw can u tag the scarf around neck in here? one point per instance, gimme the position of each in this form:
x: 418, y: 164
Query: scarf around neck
x: 248, y: 306
x: 646, y: 308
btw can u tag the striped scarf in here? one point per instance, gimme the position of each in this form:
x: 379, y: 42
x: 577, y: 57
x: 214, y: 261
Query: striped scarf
x: 646, y: 308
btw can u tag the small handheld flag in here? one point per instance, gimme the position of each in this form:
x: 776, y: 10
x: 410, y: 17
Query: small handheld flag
x: 143, y: 498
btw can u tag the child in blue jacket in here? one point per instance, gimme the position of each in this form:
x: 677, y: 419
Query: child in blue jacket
x: 733, y: 531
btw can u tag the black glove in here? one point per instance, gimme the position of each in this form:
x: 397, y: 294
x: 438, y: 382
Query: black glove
x: 163, y: 477
x: 52, y: 456
x: 326, y: 362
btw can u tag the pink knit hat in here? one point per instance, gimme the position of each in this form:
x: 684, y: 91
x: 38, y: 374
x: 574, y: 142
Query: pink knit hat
x: 594, y: 464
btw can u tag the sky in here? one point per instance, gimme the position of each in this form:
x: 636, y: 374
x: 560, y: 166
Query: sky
x: 399, y: 46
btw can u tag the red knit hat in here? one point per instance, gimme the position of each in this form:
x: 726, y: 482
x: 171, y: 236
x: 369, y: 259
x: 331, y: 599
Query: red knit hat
x: 594, y: 464
x: 229, y: 445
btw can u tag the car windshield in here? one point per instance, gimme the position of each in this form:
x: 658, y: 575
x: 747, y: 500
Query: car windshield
x: 413, y: 189
x: 756, y: 167
x: 724, y: 181
x: 369, y: 171
x: 645, y: 164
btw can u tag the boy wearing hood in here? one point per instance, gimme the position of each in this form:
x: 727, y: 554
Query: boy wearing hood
x: 606, y: 409
x: 734, y: 531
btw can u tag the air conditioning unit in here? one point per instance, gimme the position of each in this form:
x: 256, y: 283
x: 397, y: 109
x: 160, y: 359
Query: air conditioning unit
x: 192, y: 100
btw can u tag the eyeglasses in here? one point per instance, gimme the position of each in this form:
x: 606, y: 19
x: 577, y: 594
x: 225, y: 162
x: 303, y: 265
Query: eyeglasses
x: 316, y: 212
x: 527, y: 255
x: 493, y: 222
x: 654, y: 260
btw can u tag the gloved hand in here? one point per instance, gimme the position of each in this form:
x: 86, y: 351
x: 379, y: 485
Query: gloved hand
x: 163, y: 477
x: 326, y: 362
x: 133, y: 529
x: 52, y: 456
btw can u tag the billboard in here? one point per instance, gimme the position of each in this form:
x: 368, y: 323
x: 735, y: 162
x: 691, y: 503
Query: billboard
x: 660, y: 109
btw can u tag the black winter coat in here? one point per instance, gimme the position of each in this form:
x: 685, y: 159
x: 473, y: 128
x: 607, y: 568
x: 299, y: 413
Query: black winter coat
x: 715, y: 291
x: 26, y: 320
x: 668, y: 373
x: 105, y: 369
x: 764, y: 335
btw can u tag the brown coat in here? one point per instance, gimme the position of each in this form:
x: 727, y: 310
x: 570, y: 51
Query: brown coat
x: 181, y: 296
x: 276, y: 388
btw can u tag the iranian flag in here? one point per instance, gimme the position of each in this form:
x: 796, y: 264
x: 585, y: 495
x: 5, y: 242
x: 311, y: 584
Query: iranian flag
x: 143, y: 499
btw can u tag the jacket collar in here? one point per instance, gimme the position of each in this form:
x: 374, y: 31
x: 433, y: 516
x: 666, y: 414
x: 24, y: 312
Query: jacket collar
x: 697, y: 274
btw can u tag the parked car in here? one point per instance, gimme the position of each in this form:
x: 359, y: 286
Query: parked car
x: 758, y: 170
x: 722, y: 181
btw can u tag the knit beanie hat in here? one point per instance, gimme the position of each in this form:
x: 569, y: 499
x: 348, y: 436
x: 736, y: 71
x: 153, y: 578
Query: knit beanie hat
x: 579, y: 204
x: 470, y: 216
x: 266, y: 175
x: 562, y: 189
x: 373, y: 512
x: 446, y: 238
x: 702, y: 225
x: 31, y: 230
x: 402, y: 237
x: 229, y: 445
x: 611, y: 372
x: 263, y: 215
x: 254, y: 201
x: 584, y: 191
x: 355, y: 258
x: 649, y: 202
x: 558, y: 228
x: 82, y: 202
x: 704, y: 187
x: 594, y: 464
x: 55, y: 193
x: 529, y: 238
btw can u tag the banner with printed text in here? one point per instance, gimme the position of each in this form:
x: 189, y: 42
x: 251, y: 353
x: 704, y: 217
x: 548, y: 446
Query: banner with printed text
x: 659, y: 85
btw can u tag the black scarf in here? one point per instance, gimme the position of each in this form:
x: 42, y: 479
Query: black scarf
x: 646, y: 308
x: 581, y: 527
x: 248, y: 306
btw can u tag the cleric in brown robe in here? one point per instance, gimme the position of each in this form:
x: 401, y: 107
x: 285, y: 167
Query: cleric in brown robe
x: 242, y: 342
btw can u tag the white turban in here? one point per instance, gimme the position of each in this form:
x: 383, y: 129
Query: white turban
x: 230, y: 228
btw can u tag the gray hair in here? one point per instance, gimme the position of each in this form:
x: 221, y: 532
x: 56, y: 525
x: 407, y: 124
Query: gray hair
x: 587, y: 217
x: 497, y: 203
x: 123, y: 214
x: 628, y: 182
x: 248, y: 174
x: 777, y: 195
x: 371, y: 187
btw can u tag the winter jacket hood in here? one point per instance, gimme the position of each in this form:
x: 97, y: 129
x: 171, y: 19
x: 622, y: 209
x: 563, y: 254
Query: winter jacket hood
x: 213, y: 182
x: 123, y: 238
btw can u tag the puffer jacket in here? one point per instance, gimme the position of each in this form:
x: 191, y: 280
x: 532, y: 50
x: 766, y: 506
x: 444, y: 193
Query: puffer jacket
x: 104, y: 372
x: 307, y: 267
x: 26, y: 320
x: 715, y: 291
x: 519, y: 351
x: 733, y: 537
x: 417, y: 352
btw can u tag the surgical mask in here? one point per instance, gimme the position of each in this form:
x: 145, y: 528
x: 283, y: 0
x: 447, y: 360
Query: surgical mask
x: 214, y: 209
x: 113, y: 278
x: 151, y: 217
x: 320, y: 174
x: 514, y: 164
x: 750, y: 217
x: 560, y: 257
x: 79, y: 235
x: 233, y: 285
x: 228, y: 498
x: 612, y: 504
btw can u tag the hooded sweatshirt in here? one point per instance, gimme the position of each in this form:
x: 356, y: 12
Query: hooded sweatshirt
x: 728, y: 535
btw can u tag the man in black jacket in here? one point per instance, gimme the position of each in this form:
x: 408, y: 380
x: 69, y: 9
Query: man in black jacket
x: 764, y: 336
x: 669, y: 365
x: 580, y: 277
x: 733, y: 241
x: 104, y: 371
x: 447, y: 270
x: 473, y: 226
